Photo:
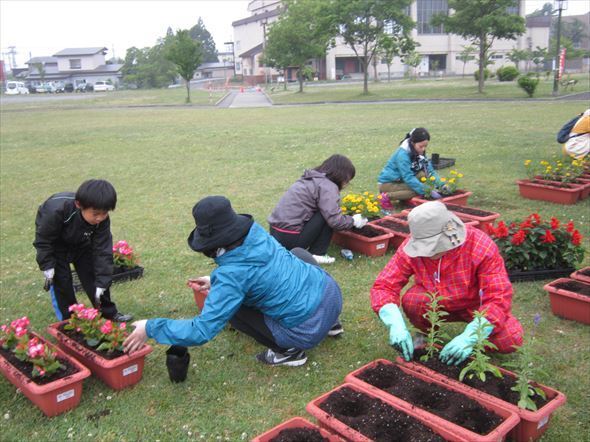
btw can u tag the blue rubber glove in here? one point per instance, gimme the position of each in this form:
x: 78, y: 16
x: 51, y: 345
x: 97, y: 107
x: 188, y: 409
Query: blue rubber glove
x: 435, y: 195
x: 461, y: 346
x: 399, y: 336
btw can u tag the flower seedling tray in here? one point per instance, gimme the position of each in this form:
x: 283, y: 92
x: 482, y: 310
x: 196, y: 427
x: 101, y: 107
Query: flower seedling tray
x: 54, y: 397
x: 119, y: 275
x: 437, y: 401
x: 542, y: 192
x: 570, y: 299
x: 362, y: 407
x: 582, y: 275
x: 532, y: 423
x: 296, y: 423
x: 537, y: 275
x: 118, y: 373
x: 443, y: 163
x: 370, y: 246
x: 460, y: 198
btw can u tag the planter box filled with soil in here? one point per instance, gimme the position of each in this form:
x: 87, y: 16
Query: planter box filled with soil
x: 118, y: 370
x: 559, y: 193
x: 297, y: 429
x: 371, y: 240
x: 496, y: 390
x: 460, y: 198
x: 472, y: 418
x: 53, y: 394
x: 582, y: 275
x: 482, y: 217
x: 120, y: 274
x: 397, y: 227
x: 570, y: 299
x: 358, y: 415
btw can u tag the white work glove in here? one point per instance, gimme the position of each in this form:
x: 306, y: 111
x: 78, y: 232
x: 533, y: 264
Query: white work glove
x: 49, y: 274
x: 359, y: 221
x: 99, y: 292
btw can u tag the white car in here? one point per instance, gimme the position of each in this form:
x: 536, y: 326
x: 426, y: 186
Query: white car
x: 16, y: 88
x: 103, y: 86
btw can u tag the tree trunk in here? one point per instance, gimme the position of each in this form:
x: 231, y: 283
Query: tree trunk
x: 375, y: 69
x: 366, y: 75
x: 482, y: 62
x: 188, y: 90
x: 300, y: 75
x: 388, y: 73
x: 285, y: 72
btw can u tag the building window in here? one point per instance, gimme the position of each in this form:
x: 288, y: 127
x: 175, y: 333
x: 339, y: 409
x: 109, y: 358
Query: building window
x: 497, y: 57
x: 75, y: 63
x: 426, y: 10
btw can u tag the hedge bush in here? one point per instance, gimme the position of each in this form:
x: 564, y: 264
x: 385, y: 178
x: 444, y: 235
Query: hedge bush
x: 529, y: 83
x: 486, y: 74
x: 507, y: 73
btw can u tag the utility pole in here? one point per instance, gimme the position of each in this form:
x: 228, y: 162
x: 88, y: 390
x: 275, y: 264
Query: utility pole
x: 263, y: 23
x: 561, y: 5
x: 12, y: 53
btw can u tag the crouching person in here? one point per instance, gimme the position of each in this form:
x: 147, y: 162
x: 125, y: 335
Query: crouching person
x: 460, y: 263
x: 259, y: 287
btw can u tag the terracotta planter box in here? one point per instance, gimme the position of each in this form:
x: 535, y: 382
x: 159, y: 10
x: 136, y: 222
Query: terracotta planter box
x: 585, y: 183
x: 335, y: 425
x: 296, y: 422
x: 509, y: 418
x: 403, y: 215
x: 532, y: 423
x: 375, y: 246
x: 389, y: 224
x: 460, y: 198
x: 559, y: 195
x: 118, y: 373
x: 582, y: 275
x: 537, y: 275
x: 54, y: 397
x: 567, y: 303
x: 482, y: 217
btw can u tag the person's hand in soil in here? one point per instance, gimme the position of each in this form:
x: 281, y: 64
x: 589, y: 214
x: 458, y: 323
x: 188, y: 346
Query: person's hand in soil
x: 201, y: 284
x: 461, y: 346
x: 359, y: 221
x: 399, y: 336
x: 137, y: 339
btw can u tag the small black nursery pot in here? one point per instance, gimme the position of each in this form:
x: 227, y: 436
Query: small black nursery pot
x: 435, y: 158
x: 177, y: 360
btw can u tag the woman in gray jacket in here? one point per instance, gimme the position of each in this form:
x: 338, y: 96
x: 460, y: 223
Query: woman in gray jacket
x: 309, y: 210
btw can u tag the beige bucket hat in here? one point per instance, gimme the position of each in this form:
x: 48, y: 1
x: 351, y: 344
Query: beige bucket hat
x: 433, y: 229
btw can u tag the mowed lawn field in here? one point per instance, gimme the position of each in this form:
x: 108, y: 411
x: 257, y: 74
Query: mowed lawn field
x: 164, y: 159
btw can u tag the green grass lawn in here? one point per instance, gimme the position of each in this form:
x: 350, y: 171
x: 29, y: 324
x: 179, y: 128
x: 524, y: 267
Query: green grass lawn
x: 162, y: 160
x: 455, y: 87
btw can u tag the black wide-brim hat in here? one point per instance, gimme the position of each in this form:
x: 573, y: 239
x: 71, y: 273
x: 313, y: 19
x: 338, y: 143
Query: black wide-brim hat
x: 218, y: 225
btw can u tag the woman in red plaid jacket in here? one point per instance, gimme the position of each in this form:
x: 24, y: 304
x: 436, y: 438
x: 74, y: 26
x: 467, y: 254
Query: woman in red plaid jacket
x: 461, y: 264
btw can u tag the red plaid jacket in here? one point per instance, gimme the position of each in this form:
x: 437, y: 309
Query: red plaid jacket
x: 475, y: 265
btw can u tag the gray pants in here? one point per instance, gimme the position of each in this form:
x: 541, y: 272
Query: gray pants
x: 399, y: 191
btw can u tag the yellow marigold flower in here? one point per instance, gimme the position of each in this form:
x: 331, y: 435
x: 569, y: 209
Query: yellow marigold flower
x: 527, y: 162
x: 365, y: 193
x: 358, y: 211
x: 452, y: 180
x: 371, y: 195
x: 353, y: 208
x: 423, y: 179
x: 460, y: 175
x: 343, y: 208
x: 379, y: 197
x: 443, y: 179
x: 453, y: 172
x: 432, y: 178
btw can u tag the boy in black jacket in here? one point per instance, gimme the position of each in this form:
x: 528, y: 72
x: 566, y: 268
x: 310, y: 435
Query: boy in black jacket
x: 75, y: 228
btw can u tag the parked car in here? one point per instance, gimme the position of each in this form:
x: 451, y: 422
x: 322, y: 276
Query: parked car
x: 46, y: 88
x: 16, y: 88
x: 68, y: 87
x: 103, y: 86
x: 84, y: 87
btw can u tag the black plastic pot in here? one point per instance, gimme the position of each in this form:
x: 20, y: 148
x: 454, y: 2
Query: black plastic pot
x: 177, y: 360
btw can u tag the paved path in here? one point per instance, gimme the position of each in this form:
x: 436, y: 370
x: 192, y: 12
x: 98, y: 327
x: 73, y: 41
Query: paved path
x: 248, y: 98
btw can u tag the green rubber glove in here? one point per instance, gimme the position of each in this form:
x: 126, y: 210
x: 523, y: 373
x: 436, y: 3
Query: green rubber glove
x: 461, y: 346
x: 399, y: 336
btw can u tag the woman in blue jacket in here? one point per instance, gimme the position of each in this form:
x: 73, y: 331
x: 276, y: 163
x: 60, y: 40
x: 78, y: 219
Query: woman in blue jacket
x: 400, y: 178
x: 259, y: 287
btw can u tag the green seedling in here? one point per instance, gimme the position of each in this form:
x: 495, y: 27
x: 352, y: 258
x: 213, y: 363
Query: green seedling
x: 479, y: 364
x: 435, y: 317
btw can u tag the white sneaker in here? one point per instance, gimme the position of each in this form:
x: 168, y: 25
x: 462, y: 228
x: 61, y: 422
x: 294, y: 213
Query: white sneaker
x: 324, y: 259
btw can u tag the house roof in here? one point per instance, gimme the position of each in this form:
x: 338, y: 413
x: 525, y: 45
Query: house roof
x: 250, y: 52
x: 538, y: 22
x: 256, y: 17
x: 80, y: 51
x: 43, y: 60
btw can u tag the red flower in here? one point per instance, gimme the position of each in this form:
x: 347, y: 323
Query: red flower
x: 576, y: 238
x: 570, y: 227
x: 490, y: 230
x: 554, y: 223
x: 526, y: 224
x: 502, y: 230
x: 536, y: 217
x: 548, y: 237
x: 518, y: 237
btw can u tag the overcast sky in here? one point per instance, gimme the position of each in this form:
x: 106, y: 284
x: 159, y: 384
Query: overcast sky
x: 42, y: 28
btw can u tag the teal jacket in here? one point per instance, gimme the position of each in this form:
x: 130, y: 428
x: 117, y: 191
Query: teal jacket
x: 399, y: 168
x: 260, y: 274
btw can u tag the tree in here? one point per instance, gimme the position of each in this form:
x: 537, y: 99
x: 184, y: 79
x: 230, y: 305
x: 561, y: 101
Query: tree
x: 481, y: 22
x: 466, y: 55
x: 186, y: 54
x: 391, y: 46
x: 362, y: 23
x: 41, y: 70
x: 570, y: 51
x: 200, y: 33
x: 302, y: 32
x: 545, y: 11
x: 147, y: 67
x: 575, y: 31
x: 412, y: 59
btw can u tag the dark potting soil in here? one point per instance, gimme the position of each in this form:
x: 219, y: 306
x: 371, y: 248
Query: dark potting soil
x: 448, y: 404
x: 376, y: 419
x: 299, y: 435
x: 498, y: 387
x: 368, y: 231
x: 574, y: 286
x: 79, y: 338
x: 394, y: 225
x: 26, y: 368
x: 468, y: 210
x: 553, y: 184
x: 585, y: 272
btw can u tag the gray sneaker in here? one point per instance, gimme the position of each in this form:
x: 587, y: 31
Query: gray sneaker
x: 293, y: 357
x: 336, y: 330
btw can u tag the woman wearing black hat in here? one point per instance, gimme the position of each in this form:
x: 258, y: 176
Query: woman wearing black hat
x: 262, y: 289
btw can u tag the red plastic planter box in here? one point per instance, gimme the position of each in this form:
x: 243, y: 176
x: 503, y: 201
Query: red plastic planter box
x: 468, y: 222
x: 54, y: 397
x: 568, y: 304
x: 559, y: 195
x: 117, y: 373
x: 296, y: 422
x: 460, y: 198
x: 581, y: 277
x: 482, y: 221
x: 532, y: 423
x: 398, y: 237
x: 498, y: 434
x: 328, y: 421
x: 376, y: 246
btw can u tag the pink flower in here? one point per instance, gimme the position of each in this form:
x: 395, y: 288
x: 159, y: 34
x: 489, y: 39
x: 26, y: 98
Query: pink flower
x: 36, y: 348
x: 76, y: 307
x: 20, y: 332
x: 122, y: 325
x: 107, y: 327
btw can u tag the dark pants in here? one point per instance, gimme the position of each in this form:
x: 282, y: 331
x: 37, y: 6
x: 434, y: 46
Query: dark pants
x: 251, y: 321
x: 63, y: 286
x: 315, y: 236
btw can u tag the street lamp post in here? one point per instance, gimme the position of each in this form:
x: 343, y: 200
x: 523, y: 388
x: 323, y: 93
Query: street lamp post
x: 561, y: 5
x: 263, y: 23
